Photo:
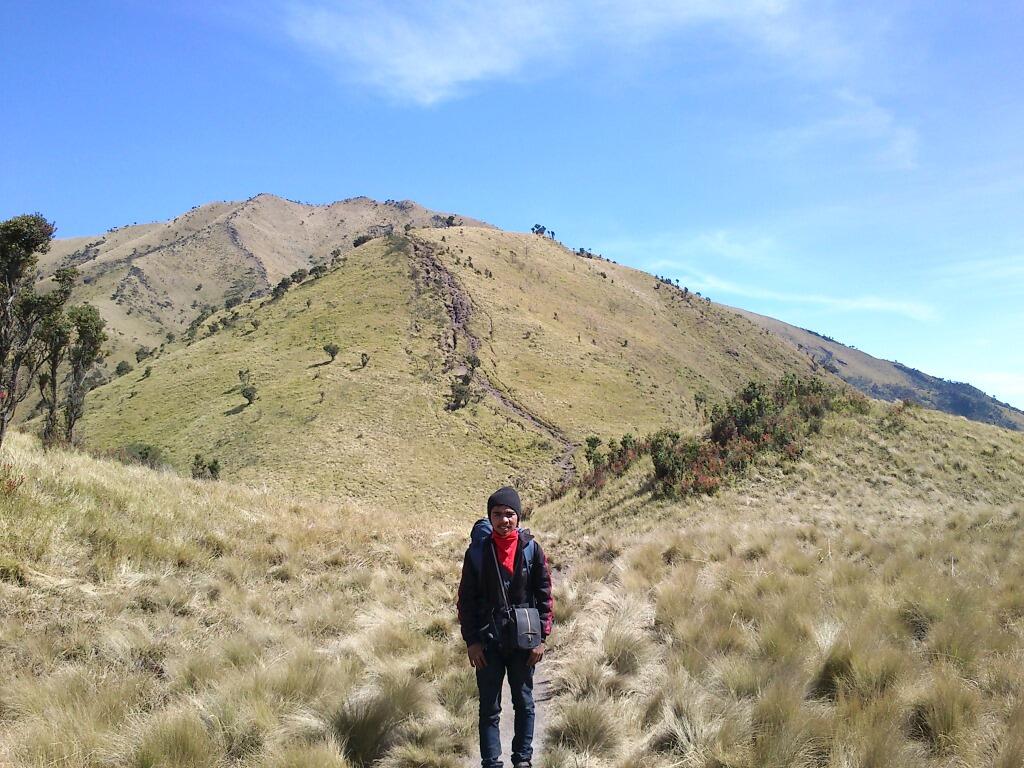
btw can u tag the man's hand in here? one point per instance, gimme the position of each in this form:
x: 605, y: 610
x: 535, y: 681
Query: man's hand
x: 536, y: 654
x: 476, y: 656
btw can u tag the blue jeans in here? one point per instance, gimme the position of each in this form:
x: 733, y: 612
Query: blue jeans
x: 489, y: 681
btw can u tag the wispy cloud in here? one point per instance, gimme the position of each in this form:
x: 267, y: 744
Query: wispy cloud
x: 1005, y: 272
x: 706, y: 282
x: 857, y: 119
x: 748, y: 250
x: 425, y: 52
x: 429, y: 52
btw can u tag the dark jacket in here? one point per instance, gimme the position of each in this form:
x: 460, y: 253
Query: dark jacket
x: 529, y: 584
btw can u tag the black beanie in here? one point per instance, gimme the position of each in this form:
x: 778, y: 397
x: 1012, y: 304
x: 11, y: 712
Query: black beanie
x: 505, y: 497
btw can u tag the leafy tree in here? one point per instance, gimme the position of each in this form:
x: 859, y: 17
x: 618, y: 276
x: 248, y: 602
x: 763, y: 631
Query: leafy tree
x: 592, y: 453
x: 449, y: 221
x: 205, y: 470
x: 318, y: 271
x: 332, y: 350
x: 55, y: 337
x: 142, y: 453
x: 123, y: 367
x: 361, y: 240
x: 89, y: 337
x: 250, y: 394
x: 460, y: 394
x: 282, y: 287
x: 22, y: 309
x: 142, y: 353
x: 299, y: 275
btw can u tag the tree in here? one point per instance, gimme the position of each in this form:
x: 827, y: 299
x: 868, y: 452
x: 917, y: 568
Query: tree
x: 205, y: 470
x: 250, y: 394
x: 123, y: 367
x: 592, y: 453
x: 282, y: 287
x: 332, y: 349
x: 318, y: 271
x: 299, y: 275
x: 22, y: 309
x: 361, y: 240
x: 89, y: 337
x: 55, y: 337
x: 142, y: 353
x: 364, y: 359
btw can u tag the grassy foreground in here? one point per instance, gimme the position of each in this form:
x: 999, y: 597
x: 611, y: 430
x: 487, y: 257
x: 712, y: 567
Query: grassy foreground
x: 862, y: 606
x: 859, y: 605
x: 148, y: 620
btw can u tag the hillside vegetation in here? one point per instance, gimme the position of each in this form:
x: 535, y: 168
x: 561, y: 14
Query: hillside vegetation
x: 891, y: 381
x: 858, y: 605
x: 552, y: 350
x: 856, y: 602
x: 151, y: 280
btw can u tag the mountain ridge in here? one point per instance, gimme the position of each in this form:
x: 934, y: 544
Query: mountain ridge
x: 155, y: 282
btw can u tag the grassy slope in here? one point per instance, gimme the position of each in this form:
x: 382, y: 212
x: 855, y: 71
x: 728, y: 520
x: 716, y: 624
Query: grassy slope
x: 148, y: 620
x: 383, y: 434
x: 859, y: 607
x: 379, y: 433
x: 152, y: 279
x: 601, y: 355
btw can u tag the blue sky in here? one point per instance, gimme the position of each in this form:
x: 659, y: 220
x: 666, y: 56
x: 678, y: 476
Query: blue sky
x: 853, y: 168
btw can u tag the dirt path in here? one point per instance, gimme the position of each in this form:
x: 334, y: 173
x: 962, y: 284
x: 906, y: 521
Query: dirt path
x: 459, y: 306
x: 541, y: 695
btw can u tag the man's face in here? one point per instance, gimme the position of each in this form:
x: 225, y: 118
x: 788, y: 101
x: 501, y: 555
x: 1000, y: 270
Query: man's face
x: 504, y: 519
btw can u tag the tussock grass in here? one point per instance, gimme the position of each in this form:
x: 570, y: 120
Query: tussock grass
x: 162, y: 621
x: 840, y: 610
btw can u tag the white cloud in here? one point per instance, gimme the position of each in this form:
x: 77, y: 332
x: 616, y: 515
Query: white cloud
x: 425, y: 52
x: 705, y: 282
x: 858, y: 119
x: 429, y: 52
x: 1005, y: 271
x: 761, y: 251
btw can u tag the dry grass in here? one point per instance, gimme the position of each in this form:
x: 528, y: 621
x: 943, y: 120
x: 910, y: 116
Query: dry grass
x: 159, y: 621
x: 856, y: 608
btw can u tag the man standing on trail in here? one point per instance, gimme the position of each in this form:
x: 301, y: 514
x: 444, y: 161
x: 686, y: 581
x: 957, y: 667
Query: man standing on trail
x: 499, y: 549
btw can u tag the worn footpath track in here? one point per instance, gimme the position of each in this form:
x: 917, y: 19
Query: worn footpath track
x: 459, y: 306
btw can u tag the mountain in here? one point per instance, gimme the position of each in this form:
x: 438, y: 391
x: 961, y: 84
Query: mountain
x: 151, y: 280
x: 556, y: 347
x: 887, y: 380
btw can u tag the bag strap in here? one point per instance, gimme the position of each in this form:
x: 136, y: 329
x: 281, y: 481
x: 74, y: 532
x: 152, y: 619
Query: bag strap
x: 501, y: 580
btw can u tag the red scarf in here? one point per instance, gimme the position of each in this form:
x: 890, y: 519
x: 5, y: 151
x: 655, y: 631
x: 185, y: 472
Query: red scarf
x: 505, y: 546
